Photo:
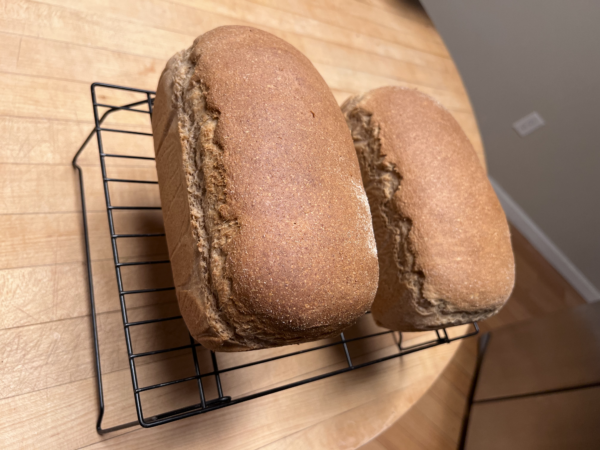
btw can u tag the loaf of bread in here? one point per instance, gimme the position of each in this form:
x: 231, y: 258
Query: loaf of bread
x: 267, y: 222
x: 443, y: 242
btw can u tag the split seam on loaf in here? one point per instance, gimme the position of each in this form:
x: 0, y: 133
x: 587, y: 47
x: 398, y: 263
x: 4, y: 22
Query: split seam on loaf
x: 205, y: 178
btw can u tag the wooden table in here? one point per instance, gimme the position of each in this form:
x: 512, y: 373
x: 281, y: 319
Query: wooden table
x: 50, y: 53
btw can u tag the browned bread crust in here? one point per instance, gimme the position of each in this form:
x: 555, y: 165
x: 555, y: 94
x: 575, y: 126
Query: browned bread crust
x: 445, y: 256
x: 268, y: 226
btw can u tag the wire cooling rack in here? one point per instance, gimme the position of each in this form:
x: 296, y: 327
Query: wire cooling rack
x: 203, y: 402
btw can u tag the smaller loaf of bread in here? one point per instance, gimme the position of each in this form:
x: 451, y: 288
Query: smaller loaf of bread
x: 268, y: 226
x: 445, y: 256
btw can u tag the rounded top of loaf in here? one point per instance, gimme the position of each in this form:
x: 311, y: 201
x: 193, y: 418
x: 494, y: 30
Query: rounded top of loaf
x: 302, y: 263
x: 459, y: 235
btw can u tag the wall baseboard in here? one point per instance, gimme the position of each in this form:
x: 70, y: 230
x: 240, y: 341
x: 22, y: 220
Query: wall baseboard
x: 545, y: 246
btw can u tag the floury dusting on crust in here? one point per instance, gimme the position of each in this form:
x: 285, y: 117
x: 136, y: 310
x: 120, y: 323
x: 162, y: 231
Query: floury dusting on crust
x: 365, y: 216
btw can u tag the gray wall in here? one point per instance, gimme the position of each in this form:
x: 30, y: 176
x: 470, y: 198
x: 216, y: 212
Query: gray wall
x: 519, y: 56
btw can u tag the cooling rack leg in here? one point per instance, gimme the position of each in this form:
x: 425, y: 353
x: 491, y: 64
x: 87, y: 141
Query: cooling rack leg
x: 86, y: 235
x: 348, y: 359
x: 197, y: 367
x: 91, y: 289
x: 99, y: 428
x: 217, y: 375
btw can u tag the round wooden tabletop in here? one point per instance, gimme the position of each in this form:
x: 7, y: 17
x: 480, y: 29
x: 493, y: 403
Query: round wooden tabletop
x: 52, y: 50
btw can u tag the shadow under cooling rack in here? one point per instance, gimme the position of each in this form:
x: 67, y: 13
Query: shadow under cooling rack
x: 161, y: 355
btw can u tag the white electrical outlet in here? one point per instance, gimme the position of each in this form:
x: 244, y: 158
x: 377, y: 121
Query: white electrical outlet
x: 528, y: 124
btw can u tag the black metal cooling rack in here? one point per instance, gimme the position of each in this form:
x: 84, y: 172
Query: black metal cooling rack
x: 144, y: 106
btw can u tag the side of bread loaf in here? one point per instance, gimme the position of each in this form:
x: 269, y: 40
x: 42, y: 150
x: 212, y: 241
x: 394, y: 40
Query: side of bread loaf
x: 445, y: 256
x: 267, y: 223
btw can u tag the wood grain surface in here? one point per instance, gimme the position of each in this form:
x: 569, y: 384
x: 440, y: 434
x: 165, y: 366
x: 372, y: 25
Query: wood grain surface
x: 50, y: 53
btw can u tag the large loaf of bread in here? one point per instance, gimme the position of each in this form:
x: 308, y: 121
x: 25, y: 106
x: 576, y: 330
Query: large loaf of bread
x: 268, y: 226
x: 445, y: 256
